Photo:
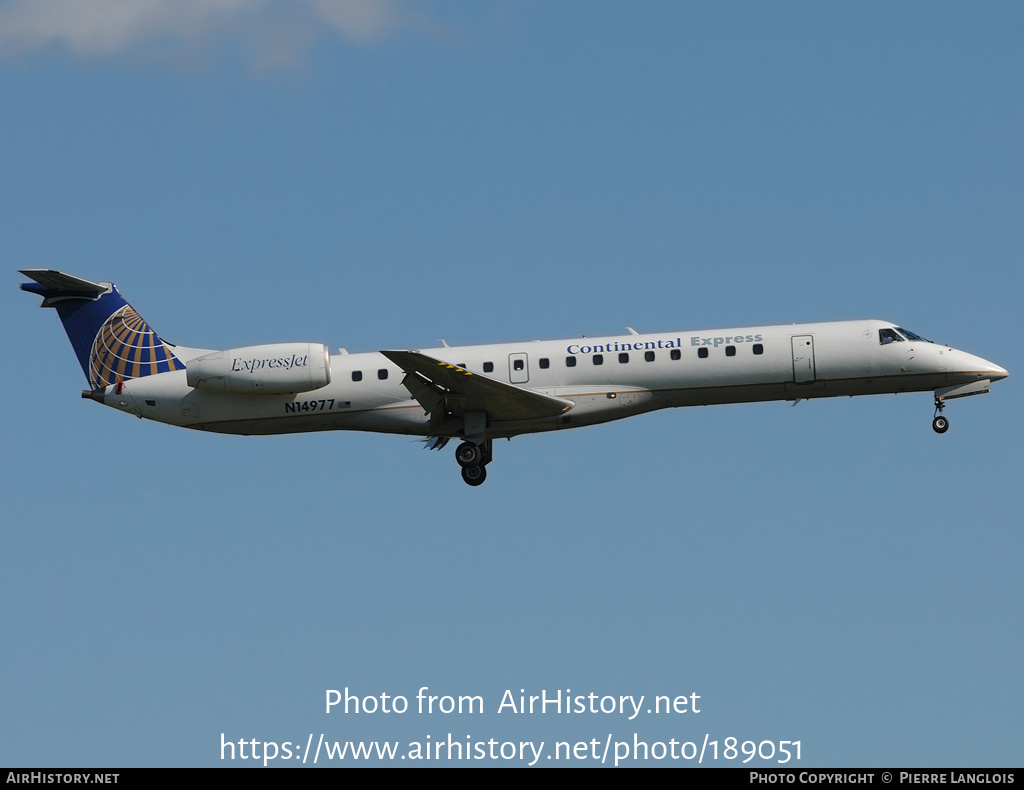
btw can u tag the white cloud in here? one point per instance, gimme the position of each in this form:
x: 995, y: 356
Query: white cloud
x: 107, y: 27
x: 361, y: 20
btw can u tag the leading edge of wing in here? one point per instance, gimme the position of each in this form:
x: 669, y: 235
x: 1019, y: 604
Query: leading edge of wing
x: 476, y: 392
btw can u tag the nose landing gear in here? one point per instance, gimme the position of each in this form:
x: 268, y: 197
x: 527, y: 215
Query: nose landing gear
x: 940, y: 424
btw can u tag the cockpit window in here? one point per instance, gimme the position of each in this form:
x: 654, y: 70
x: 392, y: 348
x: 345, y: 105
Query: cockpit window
x: 911, y: 336
x: 886, y: 336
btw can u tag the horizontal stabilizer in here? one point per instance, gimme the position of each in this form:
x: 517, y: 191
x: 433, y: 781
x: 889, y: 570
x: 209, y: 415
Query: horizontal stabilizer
x: 58, y: 281
x: 472, y: 392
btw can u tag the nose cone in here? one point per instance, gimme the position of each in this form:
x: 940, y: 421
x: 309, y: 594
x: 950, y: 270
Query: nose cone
x: 996, y: 372
x: 990, y: 370
x: 969, y: 365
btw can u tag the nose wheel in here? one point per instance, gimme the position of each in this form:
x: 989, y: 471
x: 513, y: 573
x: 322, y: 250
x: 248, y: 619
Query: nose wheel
x: 473, y: 457
x: 940, y: 424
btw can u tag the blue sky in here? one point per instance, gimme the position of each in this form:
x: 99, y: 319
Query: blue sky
x: 384, y: 175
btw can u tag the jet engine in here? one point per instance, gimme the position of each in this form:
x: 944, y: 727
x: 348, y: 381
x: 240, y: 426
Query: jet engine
x: 276, y: 369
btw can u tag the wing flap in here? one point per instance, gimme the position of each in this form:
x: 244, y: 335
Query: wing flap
x: 429, y: 379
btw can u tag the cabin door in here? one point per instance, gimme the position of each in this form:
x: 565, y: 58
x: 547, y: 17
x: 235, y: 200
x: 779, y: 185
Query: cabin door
x: 803, y: 359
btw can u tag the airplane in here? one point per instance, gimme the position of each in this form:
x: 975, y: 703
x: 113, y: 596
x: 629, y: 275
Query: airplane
x: 486, y: 392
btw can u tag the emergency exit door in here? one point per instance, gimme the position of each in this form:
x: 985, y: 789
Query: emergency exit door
x: 518, y: 369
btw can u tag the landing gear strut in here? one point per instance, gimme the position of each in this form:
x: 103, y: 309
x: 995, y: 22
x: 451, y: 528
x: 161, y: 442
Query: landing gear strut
x: 473, y: 457
x: 940, y: 424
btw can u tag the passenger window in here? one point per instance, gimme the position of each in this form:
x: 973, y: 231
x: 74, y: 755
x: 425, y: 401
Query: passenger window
x: 623, y: 358
x: 382, y: 374
x: 461, y: 365
x: 758, y: 348
x: 730, y: 351
x: 488, y: 367
x: 887, y: 336
x: 702, y: 353
x: 570, y: 362
x: 544, y: 363
x: 517, y: 364
x: 598, y: 359
x: 357, y: 375
x: 676, y: 354
x: 649, y: 356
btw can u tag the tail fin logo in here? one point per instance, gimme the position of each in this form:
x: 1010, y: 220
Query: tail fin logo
x: 126, y: 348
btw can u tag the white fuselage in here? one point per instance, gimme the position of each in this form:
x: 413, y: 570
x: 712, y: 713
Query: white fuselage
x: 601, y: 379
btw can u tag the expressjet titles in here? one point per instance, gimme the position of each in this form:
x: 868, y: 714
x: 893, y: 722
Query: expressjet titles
x: 650, y: 345
x: 252, y: 365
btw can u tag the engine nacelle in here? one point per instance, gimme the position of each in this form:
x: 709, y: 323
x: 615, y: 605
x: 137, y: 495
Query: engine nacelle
x: 276, y: 369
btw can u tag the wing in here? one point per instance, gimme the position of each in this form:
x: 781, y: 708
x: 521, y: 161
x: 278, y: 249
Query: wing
x: 431, y: 382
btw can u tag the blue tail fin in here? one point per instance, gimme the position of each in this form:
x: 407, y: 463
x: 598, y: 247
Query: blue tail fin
x: 110, y: 339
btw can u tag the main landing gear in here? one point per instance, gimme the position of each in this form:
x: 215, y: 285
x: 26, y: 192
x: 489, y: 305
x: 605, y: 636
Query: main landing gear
x: 940, y: 424
x: 473, y: 457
